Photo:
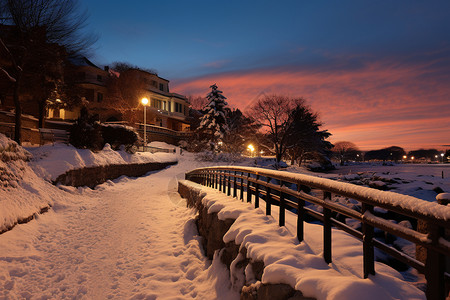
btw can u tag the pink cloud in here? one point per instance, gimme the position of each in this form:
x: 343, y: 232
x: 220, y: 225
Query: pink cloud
x: 378, y: 105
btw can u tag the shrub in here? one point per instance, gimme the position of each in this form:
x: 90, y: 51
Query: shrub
x: 86, y: 133
x: 117, y: 135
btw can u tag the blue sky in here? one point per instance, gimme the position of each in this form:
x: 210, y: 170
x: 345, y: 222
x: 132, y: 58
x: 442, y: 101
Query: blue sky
x: 204, y: 42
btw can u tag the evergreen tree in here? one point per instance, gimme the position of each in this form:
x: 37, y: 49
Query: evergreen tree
x: 213, y: 126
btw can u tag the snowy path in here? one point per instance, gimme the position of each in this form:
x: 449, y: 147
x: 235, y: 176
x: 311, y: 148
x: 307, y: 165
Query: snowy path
x: 126, y: 239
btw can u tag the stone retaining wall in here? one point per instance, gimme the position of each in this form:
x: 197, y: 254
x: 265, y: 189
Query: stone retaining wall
x: 92, y: 176
x: 233, y: 256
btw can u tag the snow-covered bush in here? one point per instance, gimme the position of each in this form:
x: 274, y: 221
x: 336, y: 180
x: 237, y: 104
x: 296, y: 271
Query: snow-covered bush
x: 12, y: 162
x: 86, y: 133
x: 222, y: 156
x: 117, y: 135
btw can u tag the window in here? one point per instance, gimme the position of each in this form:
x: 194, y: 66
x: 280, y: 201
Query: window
x: 99, y: 78
x: 154, y: 83
x: 99, y: 97
x: 161, y: 86
x: 178, y: 107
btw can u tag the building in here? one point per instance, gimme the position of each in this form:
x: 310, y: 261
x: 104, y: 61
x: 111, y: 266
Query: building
x: 116, y: 97
x: 90, y: 85
x: 165, y: 109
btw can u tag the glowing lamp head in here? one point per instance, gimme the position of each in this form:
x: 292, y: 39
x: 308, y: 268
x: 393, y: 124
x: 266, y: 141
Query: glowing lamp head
x: 251, y: 148
x: 144, y: 101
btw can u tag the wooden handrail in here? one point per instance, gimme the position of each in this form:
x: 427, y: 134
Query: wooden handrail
x: 259, y: 183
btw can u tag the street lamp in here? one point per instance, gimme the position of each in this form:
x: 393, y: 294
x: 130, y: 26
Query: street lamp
x: 144, y: 102
x: 251, y: 149
x: 442, y: 157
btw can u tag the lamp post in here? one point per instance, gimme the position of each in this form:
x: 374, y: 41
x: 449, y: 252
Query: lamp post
x: 442, y: 157
x: 251, y: 149
x: 144, y: 102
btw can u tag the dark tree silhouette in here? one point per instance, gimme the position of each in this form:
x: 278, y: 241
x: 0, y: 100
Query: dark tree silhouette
x: 345, y: 151
x: 290, y: 125
x: 393, y: 153
x: 37, y: 35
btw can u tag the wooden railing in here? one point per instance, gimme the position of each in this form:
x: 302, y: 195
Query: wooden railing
x: 291, y: 191
x: 164, y: 131
x: 152, y: 149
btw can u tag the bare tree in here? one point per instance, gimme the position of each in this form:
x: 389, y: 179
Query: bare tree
x: 241, y: 130
x: 344, y: 151
x: 124, y: 94
x: 290, y: 125
x: 198, y: 102
x: 35, y: 30
x: 272, y: 113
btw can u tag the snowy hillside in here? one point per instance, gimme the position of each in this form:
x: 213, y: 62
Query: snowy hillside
x: 25, y: 176
x: 22, y: 192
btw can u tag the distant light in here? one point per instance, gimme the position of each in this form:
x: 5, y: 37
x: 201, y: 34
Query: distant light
x: 251, y: 148
x: 436, y: 156
x: 220, y: 143
x: 404, y: 156
x: 144, y: 101
x: 58, y: 100
x: 442, y: 154
x: 412, y: 157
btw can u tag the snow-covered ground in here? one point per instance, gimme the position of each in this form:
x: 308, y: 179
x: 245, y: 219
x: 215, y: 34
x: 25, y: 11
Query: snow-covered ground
x: 131, y: 238
x: 50, y: 161
x: 418, y: 180
x: 126, y: 239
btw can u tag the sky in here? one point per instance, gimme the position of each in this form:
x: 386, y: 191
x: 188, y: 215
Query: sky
x: 377, y: 72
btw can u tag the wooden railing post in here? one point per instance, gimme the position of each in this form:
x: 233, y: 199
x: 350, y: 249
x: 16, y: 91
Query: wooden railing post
x: 268, y: 197
x: 241, y: 197
x: 229, y: 184
x: 234, y: 185
x: 282, y: 216
x: 327, y: 230
x: 368, y: 251
x: 257, y: 192
x: 219, y: 177
x: 300, y: 215
x: 249, y: 190
x: 435, y: 266
x: 216, y: 178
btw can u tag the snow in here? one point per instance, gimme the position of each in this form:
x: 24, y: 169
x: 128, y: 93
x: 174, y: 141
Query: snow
x: 302, y: 265
x: 391, y: 199
x: 50, y: 161
x: 126, y: 239
x: 133, y: 238
x: 443, y: 196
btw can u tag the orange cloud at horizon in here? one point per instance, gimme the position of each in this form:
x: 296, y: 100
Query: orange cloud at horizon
x: 375, y: 106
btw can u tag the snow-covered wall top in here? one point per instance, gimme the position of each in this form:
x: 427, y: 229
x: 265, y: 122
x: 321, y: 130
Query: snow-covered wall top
x: 50, y: 161
x: 301, y: 265
x: 389, y: 200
